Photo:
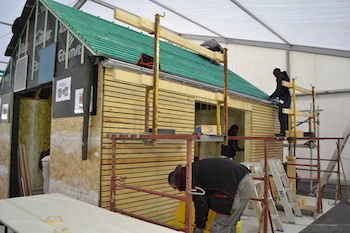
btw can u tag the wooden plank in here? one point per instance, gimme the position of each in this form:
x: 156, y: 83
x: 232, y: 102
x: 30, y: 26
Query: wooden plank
x: 139, y: 99
x: 137, y: 184
x: 125, y: 122
x: 142, y: 165
x: 146, y: 206
x: 148, y: 26
x: 160, y: 154
x: 139, y: 130
x: 128, y: 104
x: 116, y: 87
x: 140, y: 160
x: 298, y: 113
x: 107, y: 148
x: 298, y: 88
x: 24, y: 168
x: 135, y: 113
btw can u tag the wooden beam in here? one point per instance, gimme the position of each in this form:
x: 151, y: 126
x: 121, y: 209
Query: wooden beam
x: 148, y: 26
x: 174, y: 87
x: 301, y: 89
x: 298, y: 113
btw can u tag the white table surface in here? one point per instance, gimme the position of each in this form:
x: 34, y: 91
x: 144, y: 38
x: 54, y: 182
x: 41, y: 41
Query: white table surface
x: 29, y: 214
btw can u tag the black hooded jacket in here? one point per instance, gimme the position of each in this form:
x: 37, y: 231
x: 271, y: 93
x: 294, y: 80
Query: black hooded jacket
x: 232, y: 147
x: 281, y: 90
x: 219, y: 178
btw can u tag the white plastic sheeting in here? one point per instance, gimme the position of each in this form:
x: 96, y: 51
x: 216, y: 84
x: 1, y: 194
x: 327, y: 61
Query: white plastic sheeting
x: 29, y: 214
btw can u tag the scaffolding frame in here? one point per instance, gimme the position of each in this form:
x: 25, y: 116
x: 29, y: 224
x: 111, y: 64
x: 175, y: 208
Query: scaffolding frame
x: 265, y: 214
x: 317, y: 168
x: 293, y: 111
x: 154, y: 28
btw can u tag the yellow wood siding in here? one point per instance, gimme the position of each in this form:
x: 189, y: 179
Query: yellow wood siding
x: 265, y: 124
x: 142, y: 165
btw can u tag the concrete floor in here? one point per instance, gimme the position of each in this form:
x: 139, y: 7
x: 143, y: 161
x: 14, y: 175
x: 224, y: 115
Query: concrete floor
x: 250, y: 222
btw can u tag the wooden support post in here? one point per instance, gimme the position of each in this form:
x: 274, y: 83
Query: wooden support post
x: 266, y: 186
x: 113, y: 176
x: 147, y: 101
x: 156, y: 74
x: 319, y: 183
x: 218, y: 117
x: 314, y: 111
x: 294, y: 108
x: 225, y: 97
x: 188, y: 197
x: 291, y: 172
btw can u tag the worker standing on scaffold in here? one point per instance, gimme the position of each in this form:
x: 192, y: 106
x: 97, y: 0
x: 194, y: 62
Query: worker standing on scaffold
x: 284, y: 99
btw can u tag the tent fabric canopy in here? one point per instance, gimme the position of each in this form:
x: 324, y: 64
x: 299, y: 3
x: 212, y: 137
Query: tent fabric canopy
x: 317, y: 26
x: 314, y: 23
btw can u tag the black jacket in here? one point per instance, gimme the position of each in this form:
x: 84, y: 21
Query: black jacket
x: 232, y: 147
x: 281, y: 90
x: 219, y: 178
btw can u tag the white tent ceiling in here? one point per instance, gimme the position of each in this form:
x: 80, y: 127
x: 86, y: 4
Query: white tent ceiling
x: 316, y: 26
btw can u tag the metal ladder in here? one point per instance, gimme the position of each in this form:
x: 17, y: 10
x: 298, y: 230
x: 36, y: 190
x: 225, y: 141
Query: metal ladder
x: 258, y: 189
x: 333, y: 162
x: 285, y: 191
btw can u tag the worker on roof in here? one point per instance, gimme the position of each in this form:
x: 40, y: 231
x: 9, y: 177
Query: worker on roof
x: 221, y: 185
x: 283, y: 95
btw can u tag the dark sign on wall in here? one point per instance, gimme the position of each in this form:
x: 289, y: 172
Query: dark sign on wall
x: 68, y: 90
x: 50, y: 50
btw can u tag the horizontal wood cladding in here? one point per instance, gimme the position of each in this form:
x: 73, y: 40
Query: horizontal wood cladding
x: 140, y: 164
x: 265, y: 123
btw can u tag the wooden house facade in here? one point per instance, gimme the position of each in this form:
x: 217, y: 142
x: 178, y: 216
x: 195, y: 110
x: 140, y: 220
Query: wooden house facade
x: 43, y: 95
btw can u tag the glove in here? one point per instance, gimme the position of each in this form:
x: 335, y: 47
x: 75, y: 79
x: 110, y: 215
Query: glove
x: 198, y: 230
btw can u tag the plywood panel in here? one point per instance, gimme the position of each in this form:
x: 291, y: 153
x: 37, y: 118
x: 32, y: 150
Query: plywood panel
x: 5, y: 133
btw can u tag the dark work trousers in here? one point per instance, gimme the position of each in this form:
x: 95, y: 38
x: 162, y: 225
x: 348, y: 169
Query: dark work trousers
x: 228, y: 223
x: 283, y: 117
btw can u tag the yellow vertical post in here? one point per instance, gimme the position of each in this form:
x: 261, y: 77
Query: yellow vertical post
x: 294, y: 108
x: 291, y: 171
x: 156, y: 73
x: 147, y: 100
x: 218, y: 117
x: 225, y: 96
x: 314, y: 109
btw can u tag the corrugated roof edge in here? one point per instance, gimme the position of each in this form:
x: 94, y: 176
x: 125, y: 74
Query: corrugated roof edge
x: 115, y: 63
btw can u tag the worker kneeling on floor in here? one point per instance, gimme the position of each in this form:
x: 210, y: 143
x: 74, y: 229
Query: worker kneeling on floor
x: 221, y: 185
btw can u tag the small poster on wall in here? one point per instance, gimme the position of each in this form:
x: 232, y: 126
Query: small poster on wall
x: 63, y: 89
x: 4, y: 111
x: 78, y: 104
